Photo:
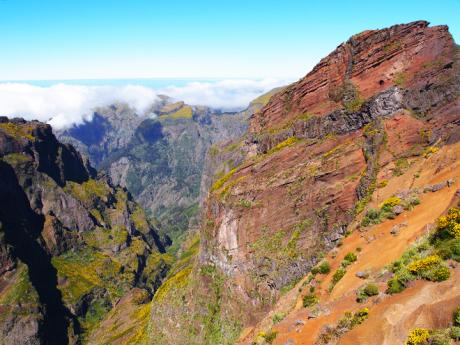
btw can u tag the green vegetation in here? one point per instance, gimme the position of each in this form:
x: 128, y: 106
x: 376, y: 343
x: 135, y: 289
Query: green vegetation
x: 425, y: 259
x: 456, y: 316
x: 17, y: 131
x: 349, y: 258
x: 89, y: 190
x: 278, y: 317
x: 417, y: 336
x: 336, y: 277
x: 382, y: 184
x: 367, y: 291
x: 178, y: 280
x: 20, y: 290
x: 430, y: 150
x: 140, y: 220
x: 267, y: 337
x: 220, y: 182
x: 184, y: 112
x: 286, y: 143
x: 245, y: 203
x: 323, y: 268
x: 423, y: 336
x: 448, y: 226
x: 346, y: 323
x: 86, y: 269
x: 376, y: 216
x: 15, y: 159
x: 400, y: 79
x: 391, y: 47
x: 354, y: 105
x: 309, y: 300
x: 401, y: 166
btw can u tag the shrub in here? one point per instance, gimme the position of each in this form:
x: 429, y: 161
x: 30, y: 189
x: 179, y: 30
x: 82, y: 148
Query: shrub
x: 418, y: 266
x: 338, y: 275
x: 270, y: 336
x: 277, y: 317
x: 368, y: 291
x: 371, y: 290
x: 456, y: 316
x: 440, y: 337
x: 438, y: 274
x: 349, y: 321
x: 389, y: 203
x: 354, y: 105
x: 449, y: 226
x: 372, y: 217
x: 409, y: 203
x: 361, y: 296
x: 417, y: 336
x: 395, y: 286
x: 382, y: 184
x: 400, y: 167
x: 323, y: 268
x: 455, y: 333
x: 351, y: 257
x: 309, y: 300
x: 449, y: 249
x: 245, y: 203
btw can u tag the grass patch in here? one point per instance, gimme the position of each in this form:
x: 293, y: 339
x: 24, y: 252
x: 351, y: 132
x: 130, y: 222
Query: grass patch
x: 185, y: 112
x: 400, y: 79
x: 177, y: 281
x: 285, y: 143
x: 220, y: 182
x: 89, y: 190
x: 354, y: 105
x: 17, y: 131
x: 15, y: 159
x: 86, y: 269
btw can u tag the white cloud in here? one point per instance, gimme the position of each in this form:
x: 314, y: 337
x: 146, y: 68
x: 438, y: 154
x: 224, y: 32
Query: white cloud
x: 63, y: 105
x: 230, y: 94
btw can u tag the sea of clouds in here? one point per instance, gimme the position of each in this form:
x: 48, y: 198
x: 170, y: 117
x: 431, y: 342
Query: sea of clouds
x: 64, y: 105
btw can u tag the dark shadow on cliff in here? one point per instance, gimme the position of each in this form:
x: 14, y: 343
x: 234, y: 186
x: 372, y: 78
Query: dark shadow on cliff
x: 22, y: 227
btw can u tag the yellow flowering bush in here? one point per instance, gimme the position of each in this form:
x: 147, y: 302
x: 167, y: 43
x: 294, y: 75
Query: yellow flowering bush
x: 424, y: 264
x: 390, y: 202
x: 417, y: 336
x: 449, y: 225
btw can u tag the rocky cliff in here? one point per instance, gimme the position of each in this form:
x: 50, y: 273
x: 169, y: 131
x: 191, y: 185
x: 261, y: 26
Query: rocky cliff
x: 310, y: 173
x: 158, y: 157
x: 71, y: 243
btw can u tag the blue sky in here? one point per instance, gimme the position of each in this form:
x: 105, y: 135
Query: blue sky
x: 192, y: 39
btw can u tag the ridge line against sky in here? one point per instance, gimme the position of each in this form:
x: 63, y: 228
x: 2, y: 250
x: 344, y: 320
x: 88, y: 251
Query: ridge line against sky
x: 43, y: 40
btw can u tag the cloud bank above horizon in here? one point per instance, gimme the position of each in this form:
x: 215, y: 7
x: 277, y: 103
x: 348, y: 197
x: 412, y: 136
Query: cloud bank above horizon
x: 64, y: 105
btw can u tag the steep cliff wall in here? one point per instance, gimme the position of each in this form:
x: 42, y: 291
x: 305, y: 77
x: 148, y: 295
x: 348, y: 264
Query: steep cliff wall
x: 310, y: 164
x: 71, y: 243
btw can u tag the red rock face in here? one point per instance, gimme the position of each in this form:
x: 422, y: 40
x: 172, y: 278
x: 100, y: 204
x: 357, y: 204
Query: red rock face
x: 373, y: 61
x: 371, y: 101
